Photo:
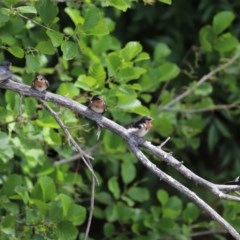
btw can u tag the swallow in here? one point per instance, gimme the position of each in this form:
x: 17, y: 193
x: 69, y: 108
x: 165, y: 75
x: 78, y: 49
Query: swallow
x: 236, y: 181
x: 97, y: 104
x: 5, y: 71
x: 40, y: 83
x: 141, y: 127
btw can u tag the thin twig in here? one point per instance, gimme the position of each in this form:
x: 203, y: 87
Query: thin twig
x: 202, y: 80
x: 68, y: 160
x: 163, y: 143
x: 91, y: 209
x: 207, y: 109
x: 77, y: 156
x: 85, y: 157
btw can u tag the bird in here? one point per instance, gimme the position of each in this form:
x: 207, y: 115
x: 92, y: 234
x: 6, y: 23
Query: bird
x: 5, y: 71
x: 40, y: 83
x: 236, y: 181
x: 97, y: 104
x: 141, y: 127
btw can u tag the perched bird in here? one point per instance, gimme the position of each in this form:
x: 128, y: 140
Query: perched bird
x: 5, y: 71
x: 97, y: 104
x: 236, y: 181
x: 40, y: 83
x: 141, y: 127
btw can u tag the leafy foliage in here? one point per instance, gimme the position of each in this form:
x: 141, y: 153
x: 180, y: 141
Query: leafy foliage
x: 113, y: 48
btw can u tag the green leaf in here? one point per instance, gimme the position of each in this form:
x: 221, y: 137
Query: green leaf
x: 111, y: 213
x: 191, y: 213
x: 97, y: 71
x: 55, y: 37
x: 167, y: 71
x: 47, y: 10
x: 32, y: 63
x: 138, y: 194
x: 114, y: 62
x: 66, y: 231
x: 142, y: 57
x: 213, y: 137
x: 128, y: 171
x: 111, y: 143
x: 46, y: 120
x: 22, y: 193
x: 68, y: 89
x: 206, y: 38
x: 114, y: 187
x: 66, y: 202
x: 128, y: 103
x: 164, y: 124
x: 226, y: 42
x: 131, y: 50
x: 119, y: 4
x: 48, y: 188
x: 162, y: 197
x: 173, y: 208
x: 204, y: 89
x: 4, y: 140
x: 4, y: 15
x: 94, y: 23
x: 74, y: 14
x: 13, y: 181
x: 69, y: 50
x: 192, y: 126
x: 169, y: 2
x: 76, y: 214
x: 161, y: 51
x: 26, y: 9
x: 16, y: 51
x: 129, y: 73
x: 12, y: 101
x: 108, y: 229
x: 223, y: 128
x: 86, y: 83
x: 46, y: 47
x: 222, y: 21
x: 124, y: 212
x: 104, y: 197
x: 45, y: 189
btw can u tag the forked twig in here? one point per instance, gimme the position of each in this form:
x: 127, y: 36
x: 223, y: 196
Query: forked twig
x: 85, y: 157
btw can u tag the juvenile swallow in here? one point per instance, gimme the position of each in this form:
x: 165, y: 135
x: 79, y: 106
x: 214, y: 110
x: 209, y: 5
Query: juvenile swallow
x: 40, y: 83
x: 97, y: 104
x: 236, y: 181
x: 5, y: 71
x: 141, y: 127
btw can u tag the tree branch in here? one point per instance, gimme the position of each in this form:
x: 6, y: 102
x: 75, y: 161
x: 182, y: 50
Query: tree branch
x: 134, y: 142
x: 181, y: 188
x: 201, y: 81
x: 85, y: 157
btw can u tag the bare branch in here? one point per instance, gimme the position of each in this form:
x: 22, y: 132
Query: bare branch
x: 85, y: 157
x: 91, y: 209
x: 77, y: 156
x: 134, y: 142
x: 201, y: 81
x: 207, y: 109
x: 181, y: 188
x: 163, y: 143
